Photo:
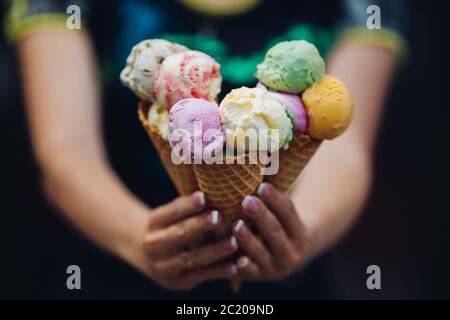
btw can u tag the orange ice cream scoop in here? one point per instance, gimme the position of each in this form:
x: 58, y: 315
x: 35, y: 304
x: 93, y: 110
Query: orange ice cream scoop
x: 330, y: 108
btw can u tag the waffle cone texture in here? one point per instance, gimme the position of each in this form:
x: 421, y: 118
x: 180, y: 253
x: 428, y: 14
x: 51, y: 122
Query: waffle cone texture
x: 225, y: 186
x: 292, y: 161
x: 182, y: 175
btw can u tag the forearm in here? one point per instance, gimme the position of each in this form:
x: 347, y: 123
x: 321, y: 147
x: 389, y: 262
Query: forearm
x: 336, y: 183
x: 63, y: 109
x: 331, y: 193
x: 92, y: 197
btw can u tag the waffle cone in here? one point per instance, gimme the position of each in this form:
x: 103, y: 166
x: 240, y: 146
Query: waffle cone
x: 182, y: 175
x: 292, y: 161
x: 225, y: 186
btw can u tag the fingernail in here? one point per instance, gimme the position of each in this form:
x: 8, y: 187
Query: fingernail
x: 263, y: 189
x: 233, y: 243
x: 214, y: 218
x: 232, y: 269
x: 243, y: 262
x: 199, y: 198
x: 238, y: 226
x: 249, y: 203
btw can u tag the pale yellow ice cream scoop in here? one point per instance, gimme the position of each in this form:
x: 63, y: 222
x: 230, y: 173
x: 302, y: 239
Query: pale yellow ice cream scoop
x: 158, y: 117
x: 246, y: 111
x: 330, y: 108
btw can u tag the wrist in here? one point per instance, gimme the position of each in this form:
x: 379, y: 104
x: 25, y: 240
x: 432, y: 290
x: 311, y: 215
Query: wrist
x: 310, y: 247
x: 131, y: 233
x: 310, y: 238
x: 129, y: 244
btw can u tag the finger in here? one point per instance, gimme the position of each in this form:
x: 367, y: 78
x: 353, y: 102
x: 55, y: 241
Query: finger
x: 252, y: 246
x: 280, y: 204
x: 221, y: 271
x: 247, y: 269
x: 271, y: 230
x: 202, y: 257
x: 178, y: 209
x: 178, y: 236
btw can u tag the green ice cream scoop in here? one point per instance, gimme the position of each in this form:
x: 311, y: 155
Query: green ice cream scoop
x: 291, y: 66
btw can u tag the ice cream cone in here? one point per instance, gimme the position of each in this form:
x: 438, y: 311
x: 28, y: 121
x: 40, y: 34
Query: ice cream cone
x: 225, y: 186
x: 292, y: 161
x: 182, y: 175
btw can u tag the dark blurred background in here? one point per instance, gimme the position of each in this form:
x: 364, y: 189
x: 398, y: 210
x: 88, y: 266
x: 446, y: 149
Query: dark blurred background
x: 404, y: 229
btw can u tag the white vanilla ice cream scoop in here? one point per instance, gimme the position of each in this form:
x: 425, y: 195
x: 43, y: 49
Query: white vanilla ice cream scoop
x: 143, y: 65
x: 245, y: 110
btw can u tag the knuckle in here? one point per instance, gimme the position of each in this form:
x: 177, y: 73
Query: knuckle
x: 177, y: 209
x: 178, y: 206
x: 275, y: 229
x: 181, y: 231
x: 294, y: 259
x: 152, y: 220
x: 158, y: 267
x: 167, y: 207
x: 195, y: 259
x: 151, y: 243
x: 198, y: 223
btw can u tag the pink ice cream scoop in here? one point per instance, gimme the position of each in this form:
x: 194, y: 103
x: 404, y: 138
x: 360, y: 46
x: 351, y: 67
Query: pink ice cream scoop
x: 195, y: 127
x: 294, y: 106
x: 189, y: 74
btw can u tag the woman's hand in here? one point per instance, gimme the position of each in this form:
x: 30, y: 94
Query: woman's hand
x: 283, y: 242
x: 175, y: 255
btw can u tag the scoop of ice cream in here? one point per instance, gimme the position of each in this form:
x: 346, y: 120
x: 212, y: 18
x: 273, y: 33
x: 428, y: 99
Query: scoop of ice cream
x: 330, y: 108
x: 245, y: 110
x: 294, y: 107
x: 143, y: 65
x: 291, y: 66
x: 191, y: 74
x: 158, y: 116
x: 195, y: 126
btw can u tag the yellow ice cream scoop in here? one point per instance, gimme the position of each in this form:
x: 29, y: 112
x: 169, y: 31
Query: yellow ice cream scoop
x: 246, y: 111
x: 330, y: 108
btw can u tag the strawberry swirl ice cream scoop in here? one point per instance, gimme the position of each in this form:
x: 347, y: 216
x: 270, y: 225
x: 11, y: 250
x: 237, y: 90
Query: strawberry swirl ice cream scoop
x: 190, y: 74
